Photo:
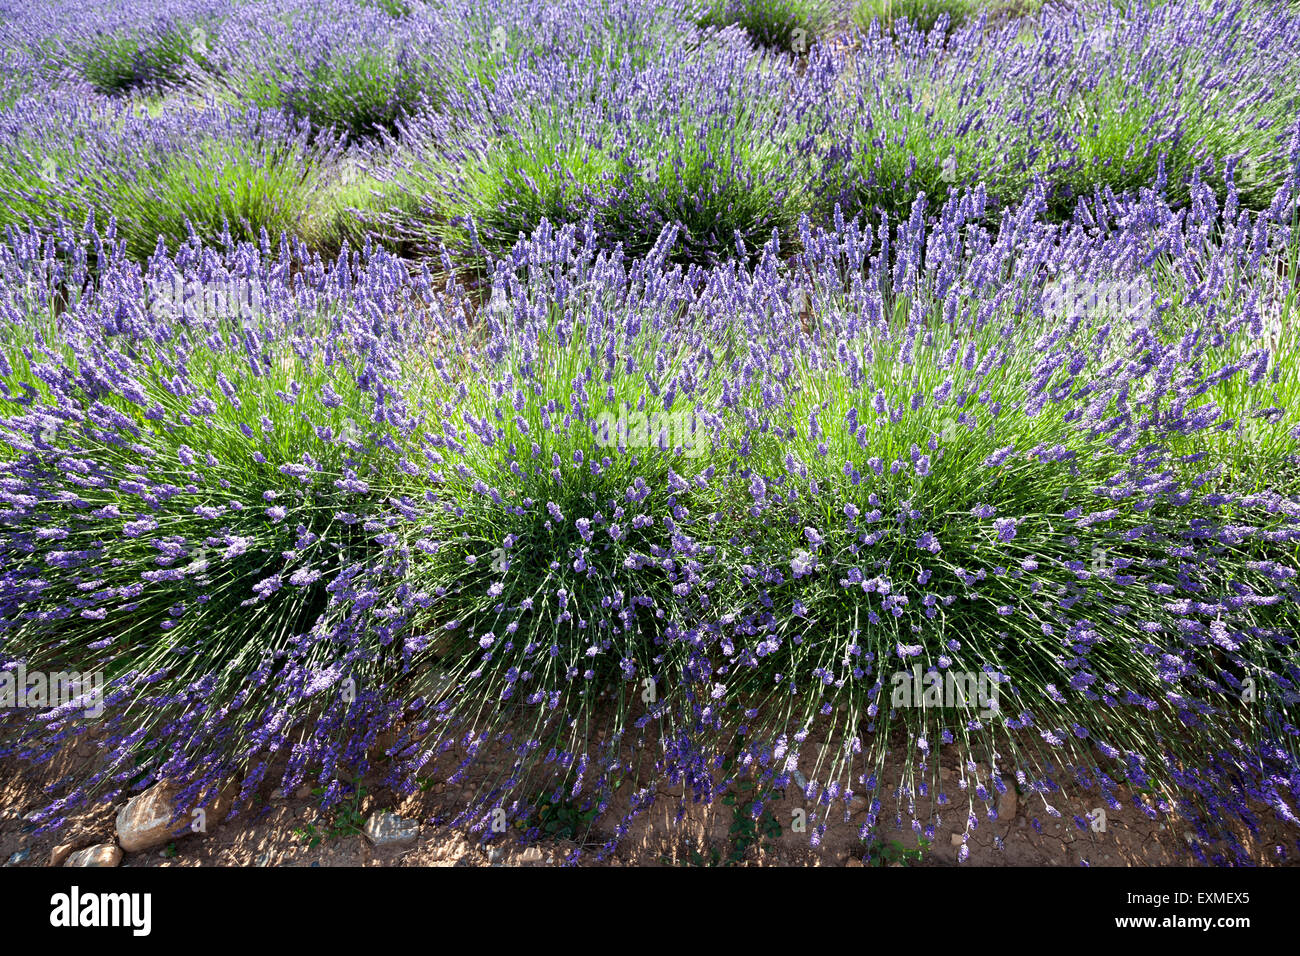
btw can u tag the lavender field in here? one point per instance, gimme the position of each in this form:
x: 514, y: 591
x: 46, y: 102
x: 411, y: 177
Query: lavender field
x: 854, y: 413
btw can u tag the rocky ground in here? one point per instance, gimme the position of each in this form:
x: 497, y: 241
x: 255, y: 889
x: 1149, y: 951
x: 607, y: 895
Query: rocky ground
x: 381, y: 829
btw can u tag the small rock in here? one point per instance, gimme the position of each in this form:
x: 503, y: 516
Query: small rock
x: 19, y: 857
x: 105, y: 854
x: 495, y: 854
x: 1007, y: 804
x: 61, y: 853
x: 388, y: 829
x: 956, y: 839
x: 263, y: 859
x: 854, y: 863
x: 800, y: 780
x: 531, y: 855
x: 148, y: 821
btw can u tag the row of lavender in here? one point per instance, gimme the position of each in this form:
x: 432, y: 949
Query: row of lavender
x: 634, y: 525
x: 469, y: 124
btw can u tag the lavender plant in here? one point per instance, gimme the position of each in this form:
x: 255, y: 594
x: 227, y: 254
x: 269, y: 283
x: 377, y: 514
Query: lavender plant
x: 205, y: 170
x: 1103, y: 98
x: 790, y: 25
x: 120, y: 47
x: 966, y: 356
x: 662, y: 527
x: 702, y: 138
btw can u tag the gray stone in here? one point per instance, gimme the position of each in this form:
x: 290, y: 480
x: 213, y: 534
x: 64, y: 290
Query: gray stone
x: 532, y: 855
x: 388, y: 829
x: 105, y: 854
x: 495, y: 854
x: 19, y: 857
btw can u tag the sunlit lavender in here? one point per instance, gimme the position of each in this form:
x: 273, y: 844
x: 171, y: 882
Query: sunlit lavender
x: 581, y: 404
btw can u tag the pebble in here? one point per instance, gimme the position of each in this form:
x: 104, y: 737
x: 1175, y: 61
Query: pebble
x: 105, y: 854
x: 388, y: 829
x: 495, y: 854
x: 61, y: 853
x: 532, y: 855
x: 19, y: 857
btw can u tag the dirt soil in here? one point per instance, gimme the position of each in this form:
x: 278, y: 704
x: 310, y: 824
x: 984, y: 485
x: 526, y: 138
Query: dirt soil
x: 278, y: 833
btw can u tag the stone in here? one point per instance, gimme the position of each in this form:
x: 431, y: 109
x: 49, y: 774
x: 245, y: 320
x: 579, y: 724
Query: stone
x: 495, y: 854
x: 854, y: 863
x: 531, y: 855
x: 956, y: 839
x: 61, y: 853
x: 1007, y: 804
x: 388, y: 829
x: 19, y: 857
x: 104, y: 854
x: 149, y: 820
x: 799, y: 779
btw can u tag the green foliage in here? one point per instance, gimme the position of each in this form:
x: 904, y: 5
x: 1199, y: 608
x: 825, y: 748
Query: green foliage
x: 790, y: 25
x: 344, y: 820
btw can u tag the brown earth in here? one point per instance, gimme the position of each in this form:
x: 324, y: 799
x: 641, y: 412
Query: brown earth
x: 278, y: 830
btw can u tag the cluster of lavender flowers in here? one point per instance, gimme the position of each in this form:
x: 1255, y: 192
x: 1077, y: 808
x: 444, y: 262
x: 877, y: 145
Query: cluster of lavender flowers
x: 698, y: 135
x: 1123, y: 97
x: 472, y: 123
x: 208, y: 169
x: 115, y: 46
x: 292, y: 513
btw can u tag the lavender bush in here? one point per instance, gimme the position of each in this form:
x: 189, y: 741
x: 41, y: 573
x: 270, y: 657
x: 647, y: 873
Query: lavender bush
x: 204, y: 170
x: 580, y: 405
x: 702, y: 137
x: 1107, y: 97
x: 890, y: 451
